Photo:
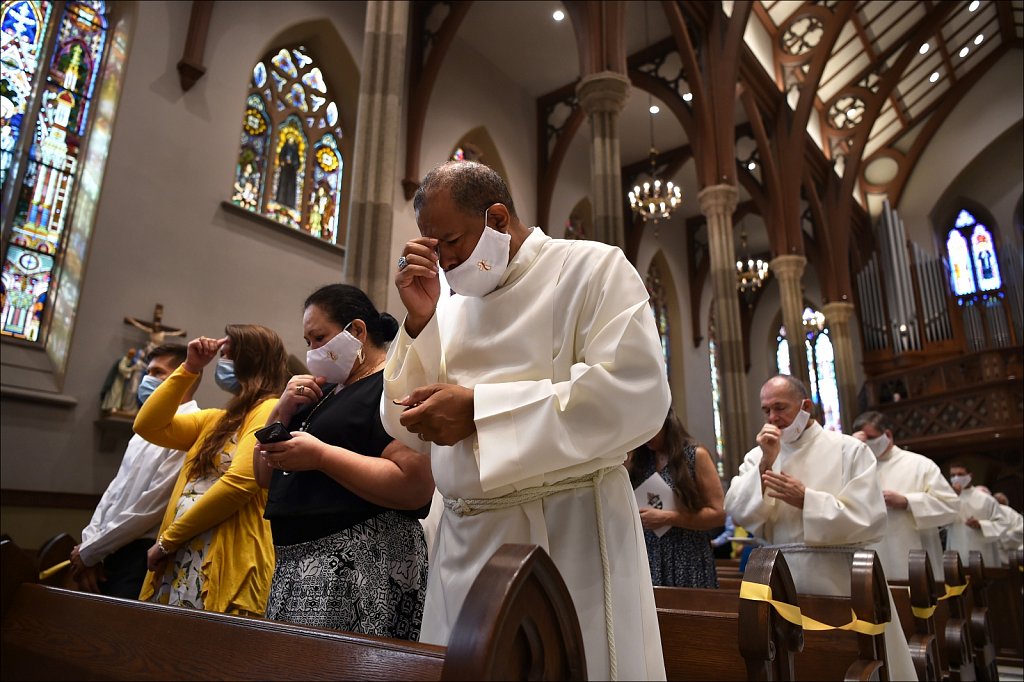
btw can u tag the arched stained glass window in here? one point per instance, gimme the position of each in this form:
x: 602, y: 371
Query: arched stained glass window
x: 659, y: 306
x: 23, y: 29
x: 973, y: 263
x: 821, y: 366
x: 716, y: 392
x: 38, y: 234
x: 290, y: 165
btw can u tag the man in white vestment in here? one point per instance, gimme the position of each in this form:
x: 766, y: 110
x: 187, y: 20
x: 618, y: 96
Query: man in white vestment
x: 977, y: 526
x: 918, y: 498
x: 543, y: 367
x: 1011, y: 534
x: 803, y: 486
x: 111, y: 558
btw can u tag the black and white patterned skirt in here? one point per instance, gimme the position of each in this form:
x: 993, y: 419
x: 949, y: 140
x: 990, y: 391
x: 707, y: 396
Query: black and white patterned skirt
x: 370, y: 578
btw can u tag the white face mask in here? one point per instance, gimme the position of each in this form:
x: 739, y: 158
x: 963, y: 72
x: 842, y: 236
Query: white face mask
x: 481, y: 273
x: 793, y: 431
x: 962, y: 480
x: 878, y: 445
x: 334, y: 359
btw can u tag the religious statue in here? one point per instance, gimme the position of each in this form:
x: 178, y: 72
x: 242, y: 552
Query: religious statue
x: 116, y: 384
x: 129, y: 402
x: 155, y: 328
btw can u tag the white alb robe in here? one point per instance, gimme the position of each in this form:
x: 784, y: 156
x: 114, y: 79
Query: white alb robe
x: 978, y: 504
x: 931, y: 503
x: 1010, y: 529
x: 843, y: 505
x: 568, y: 375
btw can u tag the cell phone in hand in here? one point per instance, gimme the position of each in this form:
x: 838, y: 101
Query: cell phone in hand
x: 273, y: 433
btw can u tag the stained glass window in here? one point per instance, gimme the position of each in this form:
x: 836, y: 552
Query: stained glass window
x: 38, y: 233
x: 23, y: 29
x: 289, y: 164
x: 821, y: 366
x: 716, y: 392
x: 971, y: 253
x: 466, y: 152
x: 659, y: 306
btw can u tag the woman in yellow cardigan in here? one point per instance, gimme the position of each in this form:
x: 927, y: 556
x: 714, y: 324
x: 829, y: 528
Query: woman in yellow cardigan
x: 215, y: 551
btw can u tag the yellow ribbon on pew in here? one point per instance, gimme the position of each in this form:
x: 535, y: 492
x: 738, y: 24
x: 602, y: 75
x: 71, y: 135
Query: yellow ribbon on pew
x: 759, y: 592
x: 954, y: 591
x: 57, y: 568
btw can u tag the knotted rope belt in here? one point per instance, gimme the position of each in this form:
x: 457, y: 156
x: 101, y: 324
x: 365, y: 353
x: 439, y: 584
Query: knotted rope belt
x: 472, y: 506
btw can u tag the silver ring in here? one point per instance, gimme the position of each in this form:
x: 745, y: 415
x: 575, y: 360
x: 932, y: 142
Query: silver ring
x: 300, y: 389
x: 402, y: 262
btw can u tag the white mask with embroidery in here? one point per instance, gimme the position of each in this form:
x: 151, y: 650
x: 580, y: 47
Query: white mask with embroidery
x: 481, y: 273
x: 334, y: 359
x: 793, y: 431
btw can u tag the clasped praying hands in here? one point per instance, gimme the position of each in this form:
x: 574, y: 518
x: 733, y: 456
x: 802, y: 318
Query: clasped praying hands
x: 784, y: 487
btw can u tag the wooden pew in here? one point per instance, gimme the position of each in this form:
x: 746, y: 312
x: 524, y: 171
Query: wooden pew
x: 518, y: 623
x: 737, y: 640
x: 922, y: 635
x: 53, y: 553
x: 1006, y: 609
x: 959, y: 617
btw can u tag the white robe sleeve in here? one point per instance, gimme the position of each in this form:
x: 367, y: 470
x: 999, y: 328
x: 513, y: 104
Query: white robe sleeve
x: 857, y: 513
x: 746, y: 501
x: 411, y: 363
x: 615, y: 399
x: 989, y: 517
x: 936, y: 504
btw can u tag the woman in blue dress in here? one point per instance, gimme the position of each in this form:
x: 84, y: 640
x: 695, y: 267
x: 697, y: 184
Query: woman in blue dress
x: 682, y: 556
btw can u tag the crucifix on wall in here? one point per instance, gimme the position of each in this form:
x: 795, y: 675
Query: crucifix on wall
x: 156, y: 328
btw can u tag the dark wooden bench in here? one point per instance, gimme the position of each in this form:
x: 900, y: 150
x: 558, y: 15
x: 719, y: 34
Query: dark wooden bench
x: 518, y: 623
x: 1006, y: 610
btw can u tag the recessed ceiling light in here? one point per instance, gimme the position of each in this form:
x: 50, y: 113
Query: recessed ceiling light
x: 558, y: 15
x: 687, y: 97
x: 924, y: 48
x: 751, y: 166
x: 934, y: 77
x: 654, y: 109
x: 964, y: 51
x: 981, y: 37
x: 973, y: 6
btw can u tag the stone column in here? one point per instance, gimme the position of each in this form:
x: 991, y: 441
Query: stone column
x: 837, y: 318
x: 717, y: 203
x: 788, y: 270
x: 378, y: 133
x: 603, y: 96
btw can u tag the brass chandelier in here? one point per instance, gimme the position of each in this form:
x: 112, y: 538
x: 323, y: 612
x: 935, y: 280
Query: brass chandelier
x: 750, y: 272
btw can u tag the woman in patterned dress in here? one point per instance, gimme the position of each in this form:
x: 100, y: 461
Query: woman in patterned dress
x: 214, y: 551
x: 681, y: 557
x: 345, y: 497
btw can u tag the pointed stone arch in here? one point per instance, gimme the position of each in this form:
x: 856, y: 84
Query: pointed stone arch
x: 659, y: 266
x: 480, y: 141
x: 580, y: 223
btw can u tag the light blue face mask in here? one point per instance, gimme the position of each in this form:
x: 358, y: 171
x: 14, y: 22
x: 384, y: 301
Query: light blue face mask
x: 146, y: 388
x: 225, y: 376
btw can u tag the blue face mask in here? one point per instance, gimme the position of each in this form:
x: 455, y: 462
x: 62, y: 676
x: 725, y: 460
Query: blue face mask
x: 225, y: 376
x: 146, y: 388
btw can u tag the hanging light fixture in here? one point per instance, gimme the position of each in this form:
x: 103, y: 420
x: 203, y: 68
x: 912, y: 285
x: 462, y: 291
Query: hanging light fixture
x: 750, y: 272
x: 654, y: 199
x: 814, y: 321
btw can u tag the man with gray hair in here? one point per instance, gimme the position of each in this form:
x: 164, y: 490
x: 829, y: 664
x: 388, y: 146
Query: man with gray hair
x: 917, y: 497
x: 803, y: 486
x: 527, y: 387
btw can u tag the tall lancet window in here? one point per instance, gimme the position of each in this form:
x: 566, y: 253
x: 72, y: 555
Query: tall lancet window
x: 289, y: 164
x: 716, y: 392
x: 973, y: 264
x: 659, y: 306
x: 48, y: 160
x: 821, y: 366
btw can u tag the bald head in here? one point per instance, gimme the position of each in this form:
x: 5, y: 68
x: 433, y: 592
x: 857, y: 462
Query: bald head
x: 782, y: 398
x: 787, y: 384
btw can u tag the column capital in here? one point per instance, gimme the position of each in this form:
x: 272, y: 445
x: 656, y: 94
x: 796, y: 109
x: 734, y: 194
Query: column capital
x: 605, y: 91
x: 838, y: 311
x: 789, y: 265
x: 718, y: 199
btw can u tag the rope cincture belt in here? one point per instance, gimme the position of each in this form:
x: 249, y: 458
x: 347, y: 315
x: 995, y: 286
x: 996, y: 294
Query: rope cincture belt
x: 473, y: 506
x: 759, y: 592
x: 954, y: 591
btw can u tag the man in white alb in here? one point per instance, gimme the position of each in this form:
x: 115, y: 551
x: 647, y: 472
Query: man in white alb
x: 805, y: 486
x: 1011, y: 534
x: 917, y: 497
x: 111, y: 558
x: 544, y: 367
x: 977, y: 524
